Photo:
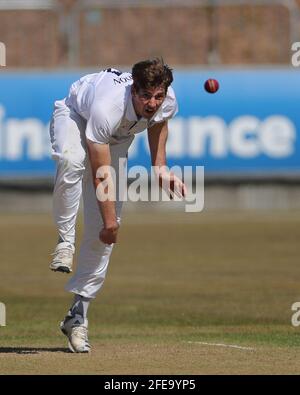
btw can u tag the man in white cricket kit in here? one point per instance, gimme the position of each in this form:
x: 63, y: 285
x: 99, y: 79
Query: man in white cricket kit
x: 93, y: 128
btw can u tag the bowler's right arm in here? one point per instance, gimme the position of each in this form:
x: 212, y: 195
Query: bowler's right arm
x: 100, y: 160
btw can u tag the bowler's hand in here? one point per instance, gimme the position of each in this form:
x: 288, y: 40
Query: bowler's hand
x: 172, y: 185
x: 108, y: 235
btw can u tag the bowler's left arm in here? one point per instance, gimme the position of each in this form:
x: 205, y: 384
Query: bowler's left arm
x: 157, y: 139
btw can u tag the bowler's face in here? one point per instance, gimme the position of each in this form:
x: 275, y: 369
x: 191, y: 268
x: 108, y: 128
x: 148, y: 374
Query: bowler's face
x: 147, y: 102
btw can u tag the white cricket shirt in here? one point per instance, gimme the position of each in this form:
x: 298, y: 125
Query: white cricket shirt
x: 104, y: 100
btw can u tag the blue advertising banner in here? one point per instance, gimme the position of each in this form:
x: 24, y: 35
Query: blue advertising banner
x: 251, y: 125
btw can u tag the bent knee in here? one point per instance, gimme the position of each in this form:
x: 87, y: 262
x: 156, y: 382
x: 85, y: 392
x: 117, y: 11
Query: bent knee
x: 73, y: 161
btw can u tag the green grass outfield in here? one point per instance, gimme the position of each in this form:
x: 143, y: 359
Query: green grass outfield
x: 206, y: 293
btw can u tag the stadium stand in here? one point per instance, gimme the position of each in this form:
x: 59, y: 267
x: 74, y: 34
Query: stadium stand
x: 62, y: 33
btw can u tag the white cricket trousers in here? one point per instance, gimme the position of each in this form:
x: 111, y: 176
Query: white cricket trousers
x: 73, y: 179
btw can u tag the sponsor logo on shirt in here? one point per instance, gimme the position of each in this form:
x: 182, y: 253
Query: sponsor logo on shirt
x: 122, y: 80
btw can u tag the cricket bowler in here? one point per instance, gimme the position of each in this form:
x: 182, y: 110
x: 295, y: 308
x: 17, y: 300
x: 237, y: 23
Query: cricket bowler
x: 93, y: 128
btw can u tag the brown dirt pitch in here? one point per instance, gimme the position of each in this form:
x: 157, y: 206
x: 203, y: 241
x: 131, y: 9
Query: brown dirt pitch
x: 207, y: 293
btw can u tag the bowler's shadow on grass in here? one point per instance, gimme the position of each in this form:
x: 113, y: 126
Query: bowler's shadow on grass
x: 32, y: 350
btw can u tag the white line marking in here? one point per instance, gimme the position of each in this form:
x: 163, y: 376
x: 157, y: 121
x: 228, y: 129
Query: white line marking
x: 223, y: 345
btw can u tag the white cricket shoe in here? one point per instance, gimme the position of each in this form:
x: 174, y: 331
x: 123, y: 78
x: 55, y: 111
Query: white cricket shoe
x: 63, y: 258
x: 76, y: 330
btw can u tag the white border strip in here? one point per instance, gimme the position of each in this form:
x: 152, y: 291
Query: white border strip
x: 223, y: 345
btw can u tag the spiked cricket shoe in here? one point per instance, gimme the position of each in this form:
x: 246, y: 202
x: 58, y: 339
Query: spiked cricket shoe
x: 76, y: 330
x: 63, y: 258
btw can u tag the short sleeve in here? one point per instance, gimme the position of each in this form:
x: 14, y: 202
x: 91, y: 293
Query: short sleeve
x: 168, y: 109
x: 170, y: 106
x: 98, y: 127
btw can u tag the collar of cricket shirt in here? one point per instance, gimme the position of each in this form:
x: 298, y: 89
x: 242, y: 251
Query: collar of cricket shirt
x: 130, y: 113
x: 158, y: 116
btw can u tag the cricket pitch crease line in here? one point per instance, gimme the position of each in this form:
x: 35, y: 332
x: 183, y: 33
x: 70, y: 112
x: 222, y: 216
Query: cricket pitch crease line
x: 223, y: 345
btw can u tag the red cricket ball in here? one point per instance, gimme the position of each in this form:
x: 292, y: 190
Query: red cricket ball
x: 211, y: 85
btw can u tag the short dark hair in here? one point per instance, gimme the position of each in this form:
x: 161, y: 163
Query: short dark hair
x: 151, y: 73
